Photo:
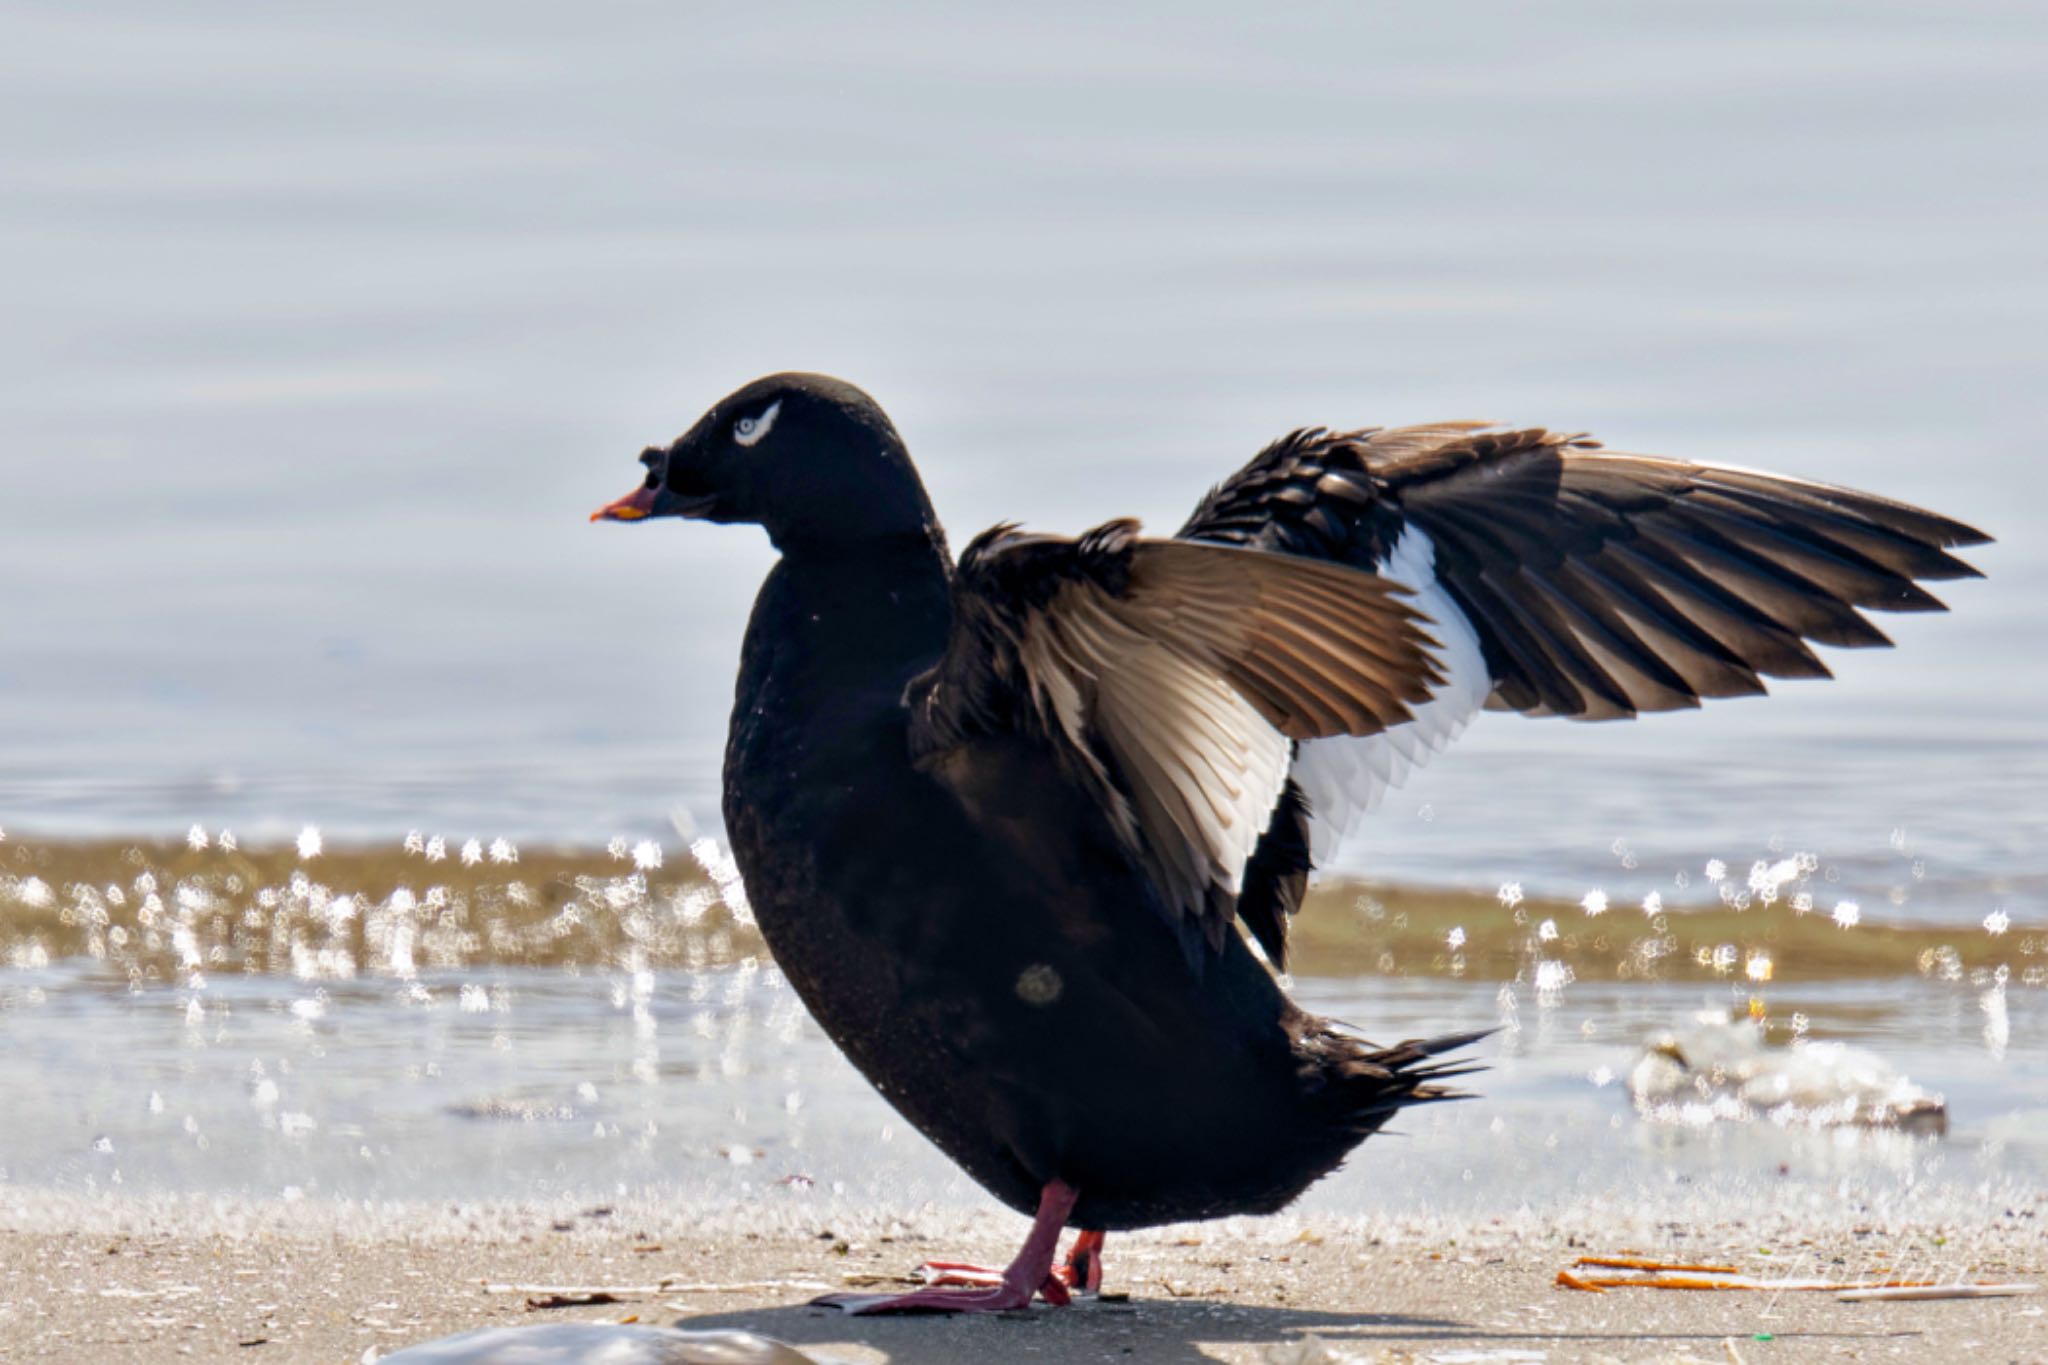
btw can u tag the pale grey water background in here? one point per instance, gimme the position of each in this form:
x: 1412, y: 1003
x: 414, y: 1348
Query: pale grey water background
x: 324, y: 331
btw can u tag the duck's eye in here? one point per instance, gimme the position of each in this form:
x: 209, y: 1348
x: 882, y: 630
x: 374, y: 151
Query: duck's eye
x: 749, y: 430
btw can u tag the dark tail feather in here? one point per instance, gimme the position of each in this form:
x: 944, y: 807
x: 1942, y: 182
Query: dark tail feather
x: 1405, y: 1054
x: 1387, y: 1079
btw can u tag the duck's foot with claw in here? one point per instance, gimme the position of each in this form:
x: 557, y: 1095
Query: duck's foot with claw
x: 958, y: 1287
x: 1081, y: 1272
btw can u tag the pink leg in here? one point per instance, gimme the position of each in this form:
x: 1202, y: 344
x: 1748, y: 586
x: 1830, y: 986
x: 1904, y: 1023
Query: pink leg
x: 1081, y: 1270
x: 1029, y: 1275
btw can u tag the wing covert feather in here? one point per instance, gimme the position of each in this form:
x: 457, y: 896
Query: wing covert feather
x: 1170, y: 678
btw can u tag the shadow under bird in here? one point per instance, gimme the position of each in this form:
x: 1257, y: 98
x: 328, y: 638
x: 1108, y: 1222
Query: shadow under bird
x: 1001, y: 819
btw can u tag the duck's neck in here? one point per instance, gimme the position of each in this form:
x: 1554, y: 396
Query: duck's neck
x: 834, y: 637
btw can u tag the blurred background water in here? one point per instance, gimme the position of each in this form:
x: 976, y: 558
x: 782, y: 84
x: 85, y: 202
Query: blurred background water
x: 325, y: 329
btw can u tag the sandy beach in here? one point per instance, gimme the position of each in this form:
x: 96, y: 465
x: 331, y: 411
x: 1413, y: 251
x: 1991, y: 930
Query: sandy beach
x: 134, y: 1282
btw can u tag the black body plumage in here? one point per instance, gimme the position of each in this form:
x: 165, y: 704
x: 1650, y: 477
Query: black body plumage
x: 997, y: 819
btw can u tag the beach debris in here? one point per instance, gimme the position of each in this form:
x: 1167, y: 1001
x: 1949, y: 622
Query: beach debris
x: 613, y: 1292
x: 1938, y: 1291
x: 872, y: 1279
x: 1644, y: 1272
x: 538, y: 1302
x: 1719, y: 1067
x: 739, y: 1286
x: 545, y: 1296
x: 577, y: 1343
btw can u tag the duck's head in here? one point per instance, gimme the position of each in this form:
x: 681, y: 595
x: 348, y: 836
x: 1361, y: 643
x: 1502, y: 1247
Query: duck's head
x: 812, y: 459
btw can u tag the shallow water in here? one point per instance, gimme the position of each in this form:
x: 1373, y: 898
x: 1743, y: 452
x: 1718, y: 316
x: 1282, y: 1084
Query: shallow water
x: 325, y: 330
x: 432, y: 1021
x: 712, y: 1088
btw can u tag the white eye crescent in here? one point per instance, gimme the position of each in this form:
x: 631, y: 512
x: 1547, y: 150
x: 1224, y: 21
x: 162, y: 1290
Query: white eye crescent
x: 749, y: 430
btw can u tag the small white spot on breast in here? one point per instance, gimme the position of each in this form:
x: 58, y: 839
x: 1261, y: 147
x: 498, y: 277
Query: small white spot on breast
x: 1038, y: 984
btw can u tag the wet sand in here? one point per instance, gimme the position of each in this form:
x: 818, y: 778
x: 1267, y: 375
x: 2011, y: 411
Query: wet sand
x: 132, y: 1282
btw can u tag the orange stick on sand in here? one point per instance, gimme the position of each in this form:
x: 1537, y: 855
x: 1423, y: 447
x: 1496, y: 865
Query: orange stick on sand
x: 1600, y: 1283
x: 1645, y: 1263
x: 1605, y: 1282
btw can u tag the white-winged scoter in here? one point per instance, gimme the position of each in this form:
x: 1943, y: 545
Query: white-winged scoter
x: 999, y: 818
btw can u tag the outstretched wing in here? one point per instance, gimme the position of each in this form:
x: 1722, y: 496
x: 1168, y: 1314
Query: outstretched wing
x: 1566, y: 580
x: 1170, y: 680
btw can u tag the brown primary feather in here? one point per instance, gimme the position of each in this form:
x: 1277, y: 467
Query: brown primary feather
x: 1606, y: 584
x: 1602, y: 584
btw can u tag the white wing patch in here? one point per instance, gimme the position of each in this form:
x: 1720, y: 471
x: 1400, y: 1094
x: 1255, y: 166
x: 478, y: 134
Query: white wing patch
x: 1345, y: 777
x: 749, y: 430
